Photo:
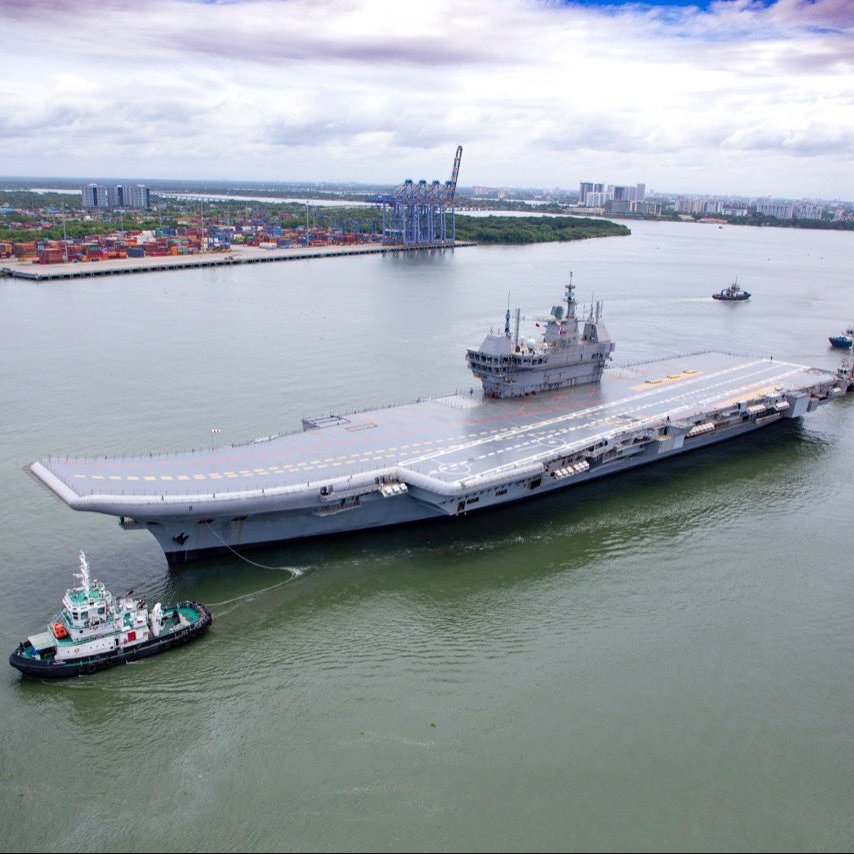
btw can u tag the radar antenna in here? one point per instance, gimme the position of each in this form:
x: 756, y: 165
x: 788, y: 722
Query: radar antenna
x: 570, y: 297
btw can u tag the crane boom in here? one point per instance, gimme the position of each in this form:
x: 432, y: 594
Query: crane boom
x: 452, y: 184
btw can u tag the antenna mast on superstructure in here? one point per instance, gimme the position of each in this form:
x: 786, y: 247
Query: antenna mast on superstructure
x: 570, y: 297
x: 83, y: 575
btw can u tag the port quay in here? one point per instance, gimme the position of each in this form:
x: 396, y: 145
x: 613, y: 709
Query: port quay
x: 241, y: 255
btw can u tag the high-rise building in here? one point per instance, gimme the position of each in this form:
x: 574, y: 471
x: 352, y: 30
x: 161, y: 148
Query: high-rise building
x: 99, y: 197
x: 585, y: 189
x: 138, y: 197
x: 807, y: 211
x: 780, y: 210
x: 95, y: 197
x: 628, y: 194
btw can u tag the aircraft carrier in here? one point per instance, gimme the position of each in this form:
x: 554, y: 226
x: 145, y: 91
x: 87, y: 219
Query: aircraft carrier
x: 538, y: 425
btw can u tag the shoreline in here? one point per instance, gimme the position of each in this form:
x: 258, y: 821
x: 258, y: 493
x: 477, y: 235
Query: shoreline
x: 244, y: 255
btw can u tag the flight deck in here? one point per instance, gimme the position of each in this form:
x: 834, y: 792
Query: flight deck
x: 448, y: 440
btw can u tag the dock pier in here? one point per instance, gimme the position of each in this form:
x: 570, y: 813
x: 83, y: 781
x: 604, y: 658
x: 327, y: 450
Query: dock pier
x: 242, y: 255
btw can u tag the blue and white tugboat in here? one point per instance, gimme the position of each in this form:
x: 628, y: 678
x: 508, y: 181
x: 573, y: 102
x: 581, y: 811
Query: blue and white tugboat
x: 843, y: 341
x: 96, y: 630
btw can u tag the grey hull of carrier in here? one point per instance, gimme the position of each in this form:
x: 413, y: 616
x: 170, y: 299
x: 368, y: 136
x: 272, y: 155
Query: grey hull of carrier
x: 442, y: 457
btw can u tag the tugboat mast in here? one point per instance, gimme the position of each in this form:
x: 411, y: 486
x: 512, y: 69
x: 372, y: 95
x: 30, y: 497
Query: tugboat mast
x: 83, y: 575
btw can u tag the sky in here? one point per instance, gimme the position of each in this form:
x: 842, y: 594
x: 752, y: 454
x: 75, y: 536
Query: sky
x: 748, y: 97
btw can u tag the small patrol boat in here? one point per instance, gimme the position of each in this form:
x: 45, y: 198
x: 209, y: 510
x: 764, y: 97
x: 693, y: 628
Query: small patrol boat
x: 734, y: 293
x: 96, y: 630
x: 844, y: 341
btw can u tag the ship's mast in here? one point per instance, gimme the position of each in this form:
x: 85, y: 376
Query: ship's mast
x: 518, y: 318
x: 570, y: 298
x: 83, y: 575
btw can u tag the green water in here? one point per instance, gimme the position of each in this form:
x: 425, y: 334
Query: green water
x: 660, y: 660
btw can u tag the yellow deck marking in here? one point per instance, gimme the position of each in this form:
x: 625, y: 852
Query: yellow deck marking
x: 183, y: 477
x: 747, y: 392
x: 115, y: 477
x: 668, y: 380
x: 215, y: 476
x: 97, y: 477
x: 149, y: 477
x: 131, y: 477
x: 195, y: 477
x: 166, y: 477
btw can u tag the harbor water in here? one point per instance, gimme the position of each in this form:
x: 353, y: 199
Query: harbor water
x: 662, y: 660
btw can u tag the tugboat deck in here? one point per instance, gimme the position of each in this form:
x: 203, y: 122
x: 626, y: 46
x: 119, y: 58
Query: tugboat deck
x: 443, y: 442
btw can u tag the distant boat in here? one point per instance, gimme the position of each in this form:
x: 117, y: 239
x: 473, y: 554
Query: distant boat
x: 844, y: 341
x: 733, y: 293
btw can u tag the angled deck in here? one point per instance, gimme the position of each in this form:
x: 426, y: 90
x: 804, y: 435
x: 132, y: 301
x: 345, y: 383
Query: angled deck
x: 444, y: 442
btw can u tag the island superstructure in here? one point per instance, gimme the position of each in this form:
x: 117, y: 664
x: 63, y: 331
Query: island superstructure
x: 565, y: 356
x: 445, y: 456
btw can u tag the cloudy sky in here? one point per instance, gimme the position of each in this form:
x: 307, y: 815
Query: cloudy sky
x: 735, y: 96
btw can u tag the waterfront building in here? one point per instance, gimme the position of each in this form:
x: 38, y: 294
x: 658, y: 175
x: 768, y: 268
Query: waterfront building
x: 586, y: 188
x: 646, y: 208
x: 592, y: 195
x: 807, y: 211
x: 780, y: 210
x: 690, y: 205
x: 624, y: 193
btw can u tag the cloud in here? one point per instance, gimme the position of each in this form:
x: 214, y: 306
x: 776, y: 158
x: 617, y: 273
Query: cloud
x: 537, y: 92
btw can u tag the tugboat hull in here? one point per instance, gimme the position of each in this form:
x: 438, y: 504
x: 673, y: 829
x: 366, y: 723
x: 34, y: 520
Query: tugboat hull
x: 92, y: 664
